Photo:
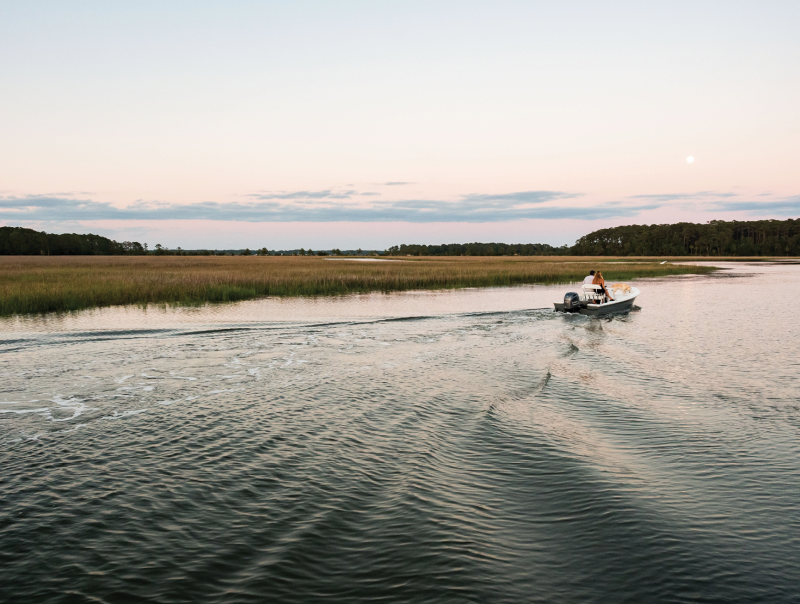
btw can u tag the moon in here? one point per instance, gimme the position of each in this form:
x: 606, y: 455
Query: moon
x: 689, y: 159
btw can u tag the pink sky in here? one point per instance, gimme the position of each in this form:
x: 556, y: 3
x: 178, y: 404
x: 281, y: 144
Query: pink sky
x: 232, y: 126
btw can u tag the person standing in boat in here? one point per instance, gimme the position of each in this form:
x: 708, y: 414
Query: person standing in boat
x: 598, y: 280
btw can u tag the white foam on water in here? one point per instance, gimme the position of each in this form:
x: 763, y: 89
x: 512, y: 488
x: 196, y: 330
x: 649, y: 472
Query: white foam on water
x: 43, y: 410
x: 180, y: 377
x: 151, y: 377
x: 76, y: 405
x: 120, y: 415
x: 73, y: 429
x: 77, y: 411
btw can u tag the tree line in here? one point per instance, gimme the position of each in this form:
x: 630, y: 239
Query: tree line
x: 17, y: 241
x: 478, y: 249
x: 715, y: 238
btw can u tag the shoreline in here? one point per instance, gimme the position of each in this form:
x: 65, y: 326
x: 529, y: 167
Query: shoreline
x: 45, y: 284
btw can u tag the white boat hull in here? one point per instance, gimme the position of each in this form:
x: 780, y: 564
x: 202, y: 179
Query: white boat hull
x: 621, y: 304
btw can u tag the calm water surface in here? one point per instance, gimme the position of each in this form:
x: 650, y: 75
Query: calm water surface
x: 421, y: 447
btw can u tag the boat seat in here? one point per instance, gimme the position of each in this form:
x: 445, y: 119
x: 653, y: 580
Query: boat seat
x: 594, y: 293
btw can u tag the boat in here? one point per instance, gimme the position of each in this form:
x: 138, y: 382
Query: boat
x: 591, y: 303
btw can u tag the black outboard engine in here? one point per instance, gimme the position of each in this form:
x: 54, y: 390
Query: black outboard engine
x: 572, y: 302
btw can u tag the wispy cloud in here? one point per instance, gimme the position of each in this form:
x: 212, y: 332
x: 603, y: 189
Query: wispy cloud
x: 787, y: 205
x: 698, y: 196
x: 322, y: 206
x: 325, y: 194
x: 514, y: 199
x: 351, y: 206
x: 715, y: 201
x: 395, y: 183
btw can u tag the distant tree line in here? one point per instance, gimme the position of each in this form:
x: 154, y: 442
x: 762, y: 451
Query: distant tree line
x: 160, y: 250
x: 478, y: 249
x: 715, y: 238
x: 19, y: 241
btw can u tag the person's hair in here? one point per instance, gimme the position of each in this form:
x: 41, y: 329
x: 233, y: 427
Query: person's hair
x: 591, y: 272
x: 598, y: 276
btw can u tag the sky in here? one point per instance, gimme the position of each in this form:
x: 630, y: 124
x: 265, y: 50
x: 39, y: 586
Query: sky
x: 368, y: 124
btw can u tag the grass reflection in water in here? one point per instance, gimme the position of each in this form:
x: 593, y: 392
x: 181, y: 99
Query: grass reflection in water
x: 31, y: 284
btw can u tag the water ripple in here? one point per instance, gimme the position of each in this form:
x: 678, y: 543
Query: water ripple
x: 506, y: 455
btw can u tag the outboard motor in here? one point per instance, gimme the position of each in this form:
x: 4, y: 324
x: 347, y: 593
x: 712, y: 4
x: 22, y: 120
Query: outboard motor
x: 572, y: 302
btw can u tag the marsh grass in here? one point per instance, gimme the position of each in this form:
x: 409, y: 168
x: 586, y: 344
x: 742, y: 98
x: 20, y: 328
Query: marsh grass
x: 38, y: 284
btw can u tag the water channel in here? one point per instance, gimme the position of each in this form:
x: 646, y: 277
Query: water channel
x: 459, y: 446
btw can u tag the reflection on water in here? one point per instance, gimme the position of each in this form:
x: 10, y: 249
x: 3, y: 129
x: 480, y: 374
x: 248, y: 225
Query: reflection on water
x: 300, y: 309
x: 427, y: 446
x: 363, y: 260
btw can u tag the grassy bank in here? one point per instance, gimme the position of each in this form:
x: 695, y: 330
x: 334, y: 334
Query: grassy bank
x: 35, y: 284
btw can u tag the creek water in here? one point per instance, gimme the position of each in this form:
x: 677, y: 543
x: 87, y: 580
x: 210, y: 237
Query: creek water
x: 465, y: 446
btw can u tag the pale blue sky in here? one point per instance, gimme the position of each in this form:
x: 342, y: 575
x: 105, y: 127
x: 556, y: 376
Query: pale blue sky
x: 265, y: 123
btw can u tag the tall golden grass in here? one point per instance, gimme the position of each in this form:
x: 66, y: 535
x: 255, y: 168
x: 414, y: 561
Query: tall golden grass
x: 36, y: 284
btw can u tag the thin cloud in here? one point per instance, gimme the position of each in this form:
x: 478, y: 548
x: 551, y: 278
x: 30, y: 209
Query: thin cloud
x: 287, y: 208
x: 518, y: 198
x: 396, y: 183
x: 788, y: 205
x: 325, y: 194
x: 667, y: 197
